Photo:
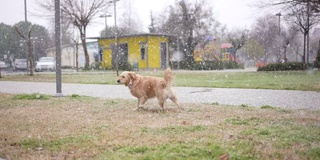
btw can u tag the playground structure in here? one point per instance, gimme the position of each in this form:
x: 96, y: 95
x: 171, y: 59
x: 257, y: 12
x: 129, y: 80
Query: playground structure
x: 209, y: 50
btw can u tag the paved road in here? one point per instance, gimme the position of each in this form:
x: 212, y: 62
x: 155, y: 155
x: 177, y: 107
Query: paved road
x: 251, y: 97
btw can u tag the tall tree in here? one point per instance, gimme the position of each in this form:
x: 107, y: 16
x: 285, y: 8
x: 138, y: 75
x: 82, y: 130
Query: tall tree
x: 152, y: 27
x: 238, y: 38
x: 303, y: 13
x: 253, y: 50
x: 288, y: 37
x: 9, y: 40
x: 79, y: 13
x: 265, y: 32
x: 190, y: 22
x: 129, y: 20
x: 26, y: 36
x: 301, y: 16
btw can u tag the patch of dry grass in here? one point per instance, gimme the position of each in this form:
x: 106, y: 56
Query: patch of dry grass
x: 86, y: 127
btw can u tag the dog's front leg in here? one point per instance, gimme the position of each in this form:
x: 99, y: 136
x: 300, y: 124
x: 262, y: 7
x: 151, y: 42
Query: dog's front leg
x: 141, y: 102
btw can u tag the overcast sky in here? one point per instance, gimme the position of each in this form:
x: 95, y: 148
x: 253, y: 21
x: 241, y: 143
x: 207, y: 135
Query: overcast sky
x: 233, y: 13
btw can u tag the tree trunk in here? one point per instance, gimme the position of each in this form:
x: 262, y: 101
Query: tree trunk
x: 84, y: 45
x: 77, y: 57
x: 85, y: 50
x: 304, y: 48
x: 30, y: 57
x: 285, y: 55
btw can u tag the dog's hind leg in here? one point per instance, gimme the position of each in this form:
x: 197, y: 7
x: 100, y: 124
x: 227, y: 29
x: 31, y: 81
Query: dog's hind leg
x: 175, y: 100
x: 161, y: 101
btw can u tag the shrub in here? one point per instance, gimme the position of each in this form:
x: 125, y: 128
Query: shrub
x: 317, y: 61
x: 125, y: 66
x: 233, y: 65
x: 206, y: 65
x: 283, y: 66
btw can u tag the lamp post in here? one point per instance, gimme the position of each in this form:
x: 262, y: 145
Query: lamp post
x: 279, y: 15
x: 58, y: 48
x: 105, y: 16
x: 26, y: 28
x: 116, y: 35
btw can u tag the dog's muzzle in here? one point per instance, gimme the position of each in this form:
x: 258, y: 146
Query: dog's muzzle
x: 118, y: 80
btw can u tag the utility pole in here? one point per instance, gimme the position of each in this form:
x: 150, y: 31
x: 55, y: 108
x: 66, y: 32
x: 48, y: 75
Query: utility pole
x: 26, y: 31
x: 105, y: 16
x: 279, y: 54
x: 116, y: 36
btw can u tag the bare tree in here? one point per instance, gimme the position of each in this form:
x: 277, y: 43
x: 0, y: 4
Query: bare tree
x: 303, y: 13
x: 253, y: 50
x: 288, y: 36
x: 129, y: 22
x: 238, y: 38
x: 80, y: 13
x: 301, y: 16
x: 152, y: 27
x: 265, y: 32
x: 29, y: 44
x: 190, y: 22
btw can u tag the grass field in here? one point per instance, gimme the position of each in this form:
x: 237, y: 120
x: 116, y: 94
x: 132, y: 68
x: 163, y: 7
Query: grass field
x: 44, y: 127
x: 286, y: 80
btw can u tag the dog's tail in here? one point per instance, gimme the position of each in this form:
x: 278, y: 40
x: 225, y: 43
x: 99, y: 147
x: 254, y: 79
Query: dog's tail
x: 168, y: 76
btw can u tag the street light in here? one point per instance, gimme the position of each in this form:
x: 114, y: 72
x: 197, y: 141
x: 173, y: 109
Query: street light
x: 57, y: 38
x: 26, y: 28
x: 105, y: 16
x: 116, y: 35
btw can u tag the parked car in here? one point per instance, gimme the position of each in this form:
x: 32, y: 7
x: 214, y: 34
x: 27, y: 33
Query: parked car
x: 3, y: 65
x: 46, y: 64
x: 20, y: 64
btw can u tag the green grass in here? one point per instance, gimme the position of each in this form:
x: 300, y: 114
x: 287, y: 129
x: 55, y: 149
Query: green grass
x: 290, y: 80
x: 56, y: 144
x: 279, y: 80
x: 31, y: 96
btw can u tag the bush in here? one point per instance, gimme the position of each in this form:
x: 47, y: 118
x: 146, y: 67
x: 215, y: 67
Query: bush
x: 206, y: 65
x: 125, y: 66
x: 317, y: 61
x: 283, y: 66
x: 317, y: 65
x: 233, y: 65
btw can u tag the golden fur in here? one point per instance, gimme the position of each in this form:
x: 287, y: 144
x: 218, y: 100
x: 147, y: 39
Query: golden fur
x: 146, y: 87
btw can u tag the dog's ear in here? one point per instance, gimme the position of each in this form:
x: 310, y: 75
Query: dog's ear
x: 132, y: 75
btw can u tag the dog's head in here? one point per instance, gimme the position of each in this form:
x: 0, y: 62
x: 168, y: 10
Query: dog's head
x: 127, y: 78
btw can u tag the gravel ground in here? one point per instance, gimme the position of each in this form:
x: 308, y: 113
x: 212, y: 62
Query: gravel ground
x: 251, y: 97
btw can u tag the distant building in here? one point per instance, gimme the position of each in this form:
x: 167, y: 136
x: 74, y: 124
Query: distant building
x: 68, y: 54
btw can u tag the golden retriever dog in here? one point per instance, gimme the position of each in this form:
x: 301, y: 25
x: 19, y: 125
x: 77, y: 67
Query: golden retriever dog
x: 146, y: 87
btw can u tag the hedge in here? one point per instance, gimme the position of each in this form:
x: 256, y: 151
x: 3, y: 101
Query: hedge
x: 284, y: 66
x: 207, y: 65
